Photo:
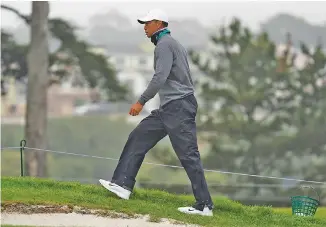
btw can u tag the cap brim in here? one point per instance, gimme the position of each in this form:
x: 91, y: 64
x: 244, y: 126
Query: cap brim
x: 141, y: 21
x: 144, y: 20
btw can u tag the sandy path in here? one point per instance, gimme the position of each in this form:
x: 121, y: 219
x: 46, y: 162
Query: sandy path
x: 74, y: 216
x: 78, y: 220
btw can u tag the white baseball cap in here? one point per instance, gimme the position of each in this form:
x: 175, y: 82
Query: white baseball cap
x: 154, y: 14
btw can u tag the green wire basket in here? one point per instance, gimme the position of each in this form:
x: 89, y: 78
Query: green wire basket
x: 303, y: 205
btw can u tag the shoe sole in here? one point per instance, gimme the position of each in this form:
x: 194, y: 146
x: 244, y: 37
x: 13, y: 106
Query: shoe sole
x: 113, y: 190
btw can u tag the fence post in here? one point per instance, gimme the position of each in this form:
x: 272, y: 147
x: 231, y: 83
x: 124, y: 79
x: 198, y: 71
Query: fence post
x: 22, y: 148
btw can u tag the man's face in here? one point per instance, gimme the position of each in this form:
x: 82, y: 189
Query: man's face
x: 151, y: 27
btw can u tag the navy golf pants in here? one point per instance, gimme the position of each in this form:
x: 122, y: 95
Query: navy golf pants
x: 177, y: 120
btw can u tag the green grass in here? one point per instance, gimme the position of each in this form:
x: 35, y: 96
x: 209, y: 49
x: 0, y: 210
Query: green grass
x: 321, y: 211
x: 157, y: 204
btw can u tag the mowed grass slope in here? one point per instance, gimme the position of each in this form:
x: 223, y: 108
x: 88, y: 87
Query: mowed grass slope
x: 157, y: 204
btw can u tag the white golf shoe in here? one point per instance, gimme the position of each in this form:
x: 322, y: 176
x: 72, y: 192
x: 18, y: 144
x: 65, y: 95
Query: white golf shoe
x: 116, y: 189
x: 192, y: 210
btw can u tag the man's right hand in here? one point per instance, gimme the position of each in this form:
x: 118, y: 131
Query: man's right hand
x: 135, y: 109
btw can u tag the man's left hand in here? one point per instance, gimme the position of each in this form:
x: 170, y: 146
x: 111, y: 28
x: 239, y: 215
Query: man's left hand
x: 135, y: 109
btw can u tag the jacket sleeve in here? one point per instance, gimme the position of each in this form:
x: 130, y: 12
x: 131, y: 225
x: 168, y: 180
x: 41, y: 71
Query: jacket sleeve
x: 163, y: 56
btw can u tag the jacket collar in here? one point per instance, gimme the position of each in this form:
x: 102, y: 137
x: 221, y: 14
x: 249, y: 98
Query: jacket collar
x: 159, y: 34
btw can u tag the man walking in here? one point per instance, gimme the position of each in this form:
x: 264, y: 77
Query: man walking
x: 175, y: 118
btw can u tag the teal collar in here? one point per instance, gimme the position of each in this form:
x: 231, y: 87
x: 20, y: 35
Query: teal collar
x: 158, y: 35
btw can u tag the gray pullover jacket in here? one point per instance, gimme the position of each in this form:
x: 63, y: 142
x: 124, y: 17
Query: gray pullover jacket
x: 172, y: 79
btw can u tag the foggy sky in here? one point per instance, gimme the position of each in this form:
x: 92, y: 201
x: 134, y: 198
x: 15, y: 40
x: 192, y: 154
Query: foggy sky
x: 207, y: 12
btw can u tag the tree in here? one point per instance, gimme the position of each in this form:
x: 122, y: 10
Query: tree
x: 97, y: 72
x: 35, y: 62
x: 36, y: 112
x: 307, y: 85
x: 72, y: 54
x: 248, y: 103
x: 13, y: 61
